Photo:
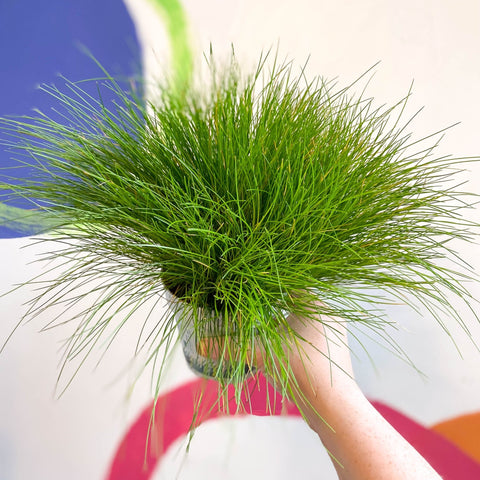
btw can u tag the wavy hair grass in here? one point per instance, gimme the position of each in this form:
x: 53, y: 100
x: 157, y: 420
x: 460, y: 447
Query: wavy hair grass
x: 245, y: 197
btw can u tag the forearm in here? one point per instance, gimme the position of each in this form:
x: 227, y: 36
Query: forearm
x: 364, y: 446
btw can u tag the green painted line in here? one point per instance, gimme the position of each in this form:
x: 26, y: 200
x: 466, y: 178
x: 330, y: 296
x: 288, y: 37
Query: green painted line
x: 176, y: 24
x: 24, y: 221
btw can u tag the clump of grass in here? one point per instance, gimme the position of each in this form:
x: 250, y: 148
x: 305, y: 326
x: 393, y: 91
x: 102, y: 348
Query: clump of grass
x: 246, y: 197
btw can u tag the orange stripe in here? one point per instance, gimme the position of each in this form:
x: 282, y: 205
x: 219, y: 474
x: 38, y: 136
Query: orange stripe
x: 464, y: 432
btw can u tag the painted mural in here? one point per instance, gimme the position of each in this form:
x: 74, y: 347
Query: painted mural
x: 41, y: 42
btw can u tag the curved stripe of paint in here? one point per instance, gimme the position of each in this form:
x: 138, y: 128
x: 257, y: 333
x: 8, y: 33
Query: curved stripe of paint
x: 464, y: 431
x: 176, y: 24
x: 174, y: 413
x: 446, y: 458
x: 22, y: 220
x: 173, y: 418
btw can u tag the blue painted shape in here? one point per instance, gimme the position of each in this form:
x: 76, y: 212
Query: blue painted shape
x: 40, y: 40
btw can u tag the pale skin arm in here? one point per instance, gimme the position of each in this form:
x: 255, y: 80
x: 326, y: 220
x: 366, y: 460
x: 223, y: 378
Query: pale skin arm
x: 364, y: 446
x: 350, y: 428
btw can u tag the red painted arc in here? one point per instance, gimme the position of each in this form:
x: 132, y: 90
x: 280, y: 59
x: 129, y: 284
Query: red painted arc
x: 175, y: 410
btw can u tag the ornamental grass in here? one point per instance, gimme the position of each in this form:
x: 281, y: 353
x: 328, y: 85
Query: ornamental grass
x: 244, y: 196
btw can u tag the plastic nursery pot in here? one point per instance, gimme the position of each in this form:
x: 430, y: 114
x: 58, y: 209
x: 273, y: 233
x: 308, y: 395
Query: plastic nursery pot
x: 212, y: 323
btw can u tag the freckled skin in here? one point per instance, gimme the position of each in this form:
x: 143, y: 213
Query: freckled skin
x: 362, y: 444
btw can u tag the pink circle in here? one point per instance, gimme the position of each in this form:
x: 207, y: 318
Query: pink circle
x: 176, y: 412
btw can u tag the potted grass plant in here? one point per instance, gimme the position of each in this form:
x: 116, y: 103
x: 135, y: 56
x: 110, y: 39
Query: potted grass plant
x: 242, y: 198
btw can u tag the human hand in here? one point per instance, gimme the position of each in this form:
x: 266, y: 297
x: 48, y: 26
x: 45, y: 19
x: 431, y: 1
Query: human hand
x: 362, y: 443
